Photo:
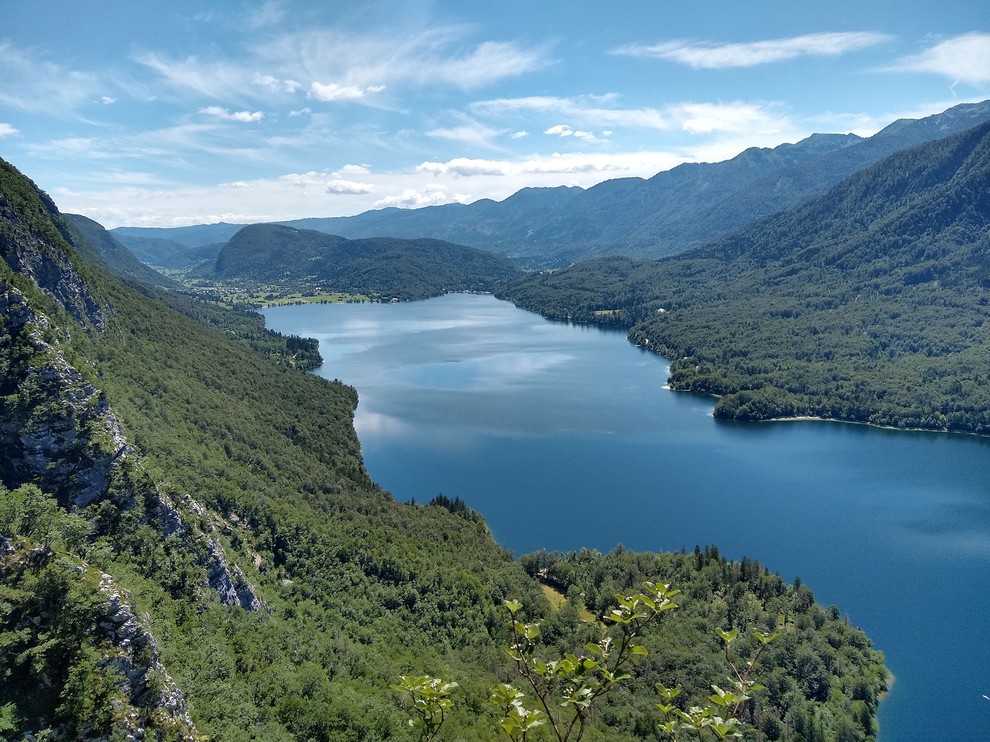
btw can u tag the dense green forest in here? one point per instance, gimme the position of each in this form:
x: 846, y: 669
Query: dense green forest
x: 867, y: 303
x: 273, y: 591
x: 384, y: 268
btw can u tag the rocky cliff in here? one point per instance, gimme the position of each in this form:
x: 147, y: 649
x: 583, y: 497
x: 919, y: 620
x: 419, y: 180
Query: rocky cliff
x: 59, y: 435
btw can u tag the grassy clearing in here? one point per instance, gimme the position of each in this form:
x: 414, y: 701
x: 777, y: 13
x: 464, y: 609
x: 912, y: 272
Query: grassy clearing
x: 558, y: 600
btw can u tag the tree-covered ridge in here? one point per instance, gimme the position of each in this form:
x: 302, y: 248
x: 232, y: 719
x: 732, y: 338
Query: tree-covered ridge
x: 229, y: 454
x: 867, y: 303
x: 110, y: 251
x: 381, y: 267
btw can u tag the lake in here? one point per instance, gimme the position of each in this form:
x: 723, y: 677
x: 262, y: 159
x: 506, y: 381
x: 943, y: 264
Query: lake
x: 472, y: 397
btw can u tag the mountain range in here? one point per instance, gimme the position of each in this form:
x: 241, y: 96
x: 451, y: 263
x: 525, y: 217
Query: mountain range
x: 669, y: 213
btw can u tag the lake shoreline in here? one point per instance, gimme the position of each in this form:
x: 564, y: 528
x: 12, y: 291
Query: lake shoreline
x: 515, y: 413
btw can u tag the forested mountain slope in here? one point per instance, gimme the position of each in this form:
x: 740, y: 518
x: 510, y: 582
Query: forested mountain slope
x: 867, y: 303
x: 190, y: 545
x: 381, y: 267
x: 112, y: 252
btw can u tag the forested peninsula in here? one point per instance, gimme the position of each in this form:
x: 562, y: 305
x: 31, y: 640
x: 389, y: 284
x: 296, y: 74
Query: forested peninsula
x: 191, y: 548
x: 866, y: 304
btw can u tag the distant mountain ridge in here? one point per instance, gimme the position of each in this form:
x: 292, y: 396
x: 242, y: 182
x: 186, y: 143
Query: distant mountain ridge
x: 667, y: 214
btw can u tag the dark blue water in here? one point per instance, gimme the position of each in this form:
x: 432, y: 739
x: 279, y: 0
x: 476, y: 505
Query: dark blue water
x: 563, y: 436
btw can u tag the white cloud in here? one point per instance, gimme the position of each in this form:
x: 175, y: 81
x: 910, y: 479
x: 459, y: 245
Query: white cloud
x: 107, y: 100
x: 519, y: 134
x: 223, y: 114
x: 274, y: 84
x: 694, y: 118
x: 705, y: 118
x: 324, y: 182
x: 412, y: 198
x: 563, y: 130
x: 626, y: 163
x: 6, y: 130
x: 352, y: 170
x: 301, y: 111
x: 331, y: 91
x: 349, y: 187
x: 711, y: 55
x: 963, y: 58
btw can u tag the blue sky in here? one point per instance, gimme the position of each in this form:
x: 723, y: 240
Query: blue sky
x: 168, y: 114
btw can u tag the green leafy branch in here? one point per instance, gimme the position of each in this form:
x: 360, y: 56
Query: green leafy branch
x: 567, y: 688
x: 721, y: 718
x: 431, y: 701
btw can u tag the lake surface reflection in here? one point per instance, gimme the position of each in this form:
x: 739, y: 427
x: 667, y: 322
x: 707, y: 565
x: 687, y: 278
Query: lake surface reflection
x: 563, y: 436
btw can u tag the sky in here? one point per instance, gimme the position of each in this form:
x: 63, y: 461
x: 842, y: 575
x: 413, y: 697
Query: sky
x: 190, y: 112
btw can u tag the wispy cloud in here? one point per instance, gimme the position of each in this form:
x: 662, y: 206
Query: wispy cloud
x: 34, y: 84
x: 227, y: 81
x: 7, y: 130
x: 587, y: 110
x: 332, y: 65
x: 437, y: 56
x: 174, y: 146
x: 594, y: 112
x: 713, y: 55
x: 469, y: 132
x: 223, y: 114
x: 270, y: 13
x: 331, y: 91
x: 127, y: 177
x: 963, y: 58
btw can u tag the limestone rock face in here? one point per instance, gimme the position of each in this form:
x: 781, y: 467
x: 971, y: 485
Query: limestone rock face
x: 57, y: 430
x: 39, y: 253
x: 226, y: 578
x: 135, y: 656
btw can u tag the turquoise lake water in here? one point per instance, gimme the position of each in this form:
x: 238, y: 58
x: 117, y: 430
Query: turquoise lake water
x: 472, y: 397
